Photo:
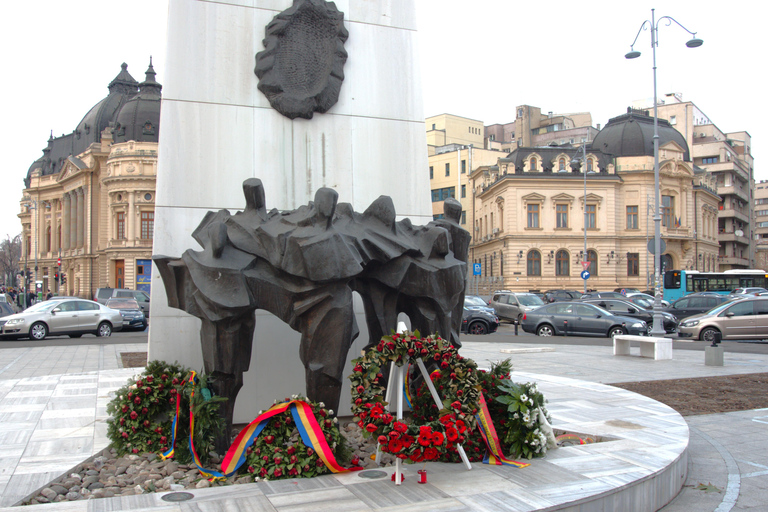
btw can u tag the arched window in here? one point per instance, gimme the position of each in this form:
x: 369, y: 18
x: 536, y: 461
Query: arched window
x: 589, y: 165
x: 562, y: 263
x: 592, y: 259
x: 561, y: 165
x: 533, y: 164
x: 534, y: 263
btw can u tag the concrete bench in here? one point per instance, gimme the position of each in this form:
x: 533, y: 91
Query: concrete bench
x: 657, y: 348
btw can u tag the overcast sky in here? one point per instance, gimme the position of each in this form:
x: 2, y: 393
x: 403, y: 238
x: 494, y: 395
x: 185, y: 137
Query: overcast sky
x: 480, y: 58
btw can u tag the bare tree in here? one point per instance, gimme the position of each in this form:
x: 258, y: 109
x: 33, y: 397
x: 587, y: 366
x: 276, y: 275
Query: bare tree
x: 10, y: 253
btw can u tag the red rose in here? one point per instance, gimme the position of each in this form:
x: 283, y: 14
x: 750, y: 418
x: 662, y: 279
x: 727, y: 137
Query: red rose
x: 137, y: 400
x: 456, y: 405
x: 459, y: 392
x: 139, y: 383
x: 306, y: 468
x: 411, y: 352
x: 125, y: 435
x: 358, y: 401
x: 360, y: 389
x: 424, y: 352
x: 265, y: 458
x: 124, y: 408
x: 263, y: 472
x: 150, y: 379
x: 319, y: 462
x: 287, y: 420
x: 436, y: 357
x: 149, y: 442
x: 278, y: 460
x: 130, y: 394
x: 269, y: 439
x: 134, y: 415
x: 250, y: 469
x: 135, y: 450
x: 371, y: 427
x: 163, y: 439
x: 144, y: 410
x: 294, y: 459
x: 291, y: 450
x: 159, y: 430
x: 310, y: 451
x: 453, y: 376
x: 358, y: 369
x: 146, y: 423
x: 323, y: 413
x: 293, y: 472
x: 175, y: 381
x: 122, y: 421
x: 390, y: 345
x: 163, y: 377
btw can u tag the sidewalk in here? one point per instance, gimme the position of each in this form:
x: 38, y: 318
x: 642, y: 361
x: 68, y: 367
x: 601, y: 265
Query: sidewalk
x: 52, y: 416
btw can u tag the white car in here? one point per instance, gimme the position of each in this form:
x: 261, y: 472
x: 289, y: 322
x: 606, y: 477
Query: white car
x: 647, y: 297
x: 57, y: 317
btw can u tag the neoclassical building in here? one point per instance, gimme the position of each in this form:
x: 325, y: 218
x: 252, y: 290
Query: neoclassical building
x: 88, y: 202
x: 531, y: 211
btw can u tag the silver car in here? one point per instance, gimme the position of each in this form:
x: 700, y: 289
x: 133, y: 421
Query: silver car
x: 734, y: 320
x: 57, y: 317
x: 512, y: 306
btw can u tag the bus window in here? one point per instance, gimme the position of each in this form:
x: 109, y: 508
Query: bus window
x: 672, y: 279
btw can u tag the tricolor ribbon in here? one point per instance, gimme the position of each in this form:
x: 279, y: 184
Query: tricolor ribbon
x: 493, y: 453
x: 170, y: 451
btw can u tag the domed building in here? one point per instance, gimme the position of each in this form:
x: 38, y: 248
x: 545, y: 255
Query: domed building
x: 534, y: 211
x: 88, y: 202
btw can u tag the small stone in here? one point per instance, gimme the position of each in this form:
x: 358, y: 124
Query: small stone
x: 60, y: 498
x: 138, y: 489
x: 244, y: 480
x: 132, y: 457
x: 120, y: 470
x: 128, y: 492
x: 39, y: 499
x: 177, y: 487
x: 171, y: 467
x: 76, y: 476
x: 75, y: 488
x: 49, y: 494
x: 202, y: 484
x: 178, y: 475
x: 96, y: 485
x: 111, y: 480
x: 74, y: 496
x: 91, y: 472
x: 90, y: 479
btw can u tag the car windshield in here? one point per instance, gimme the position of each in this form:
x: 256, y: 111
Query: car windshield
x: 42, y: 306
x: 530, y: 300
x: 720, y: 307
x: 474, y: 301
x: 122, y: 304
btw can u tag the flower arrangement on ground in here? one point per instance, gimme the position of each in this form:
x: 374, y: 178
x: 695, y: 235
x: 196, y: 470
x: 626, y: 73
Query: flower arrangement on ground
x: 142, y: 413
x: 279, y: 452
x: 438, y: 430
x: 524, y: 424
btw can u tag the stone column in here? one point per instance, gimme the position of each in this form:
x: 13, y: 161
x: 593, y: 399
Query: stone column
x: 130, y: 223
x: 73, y: 220
x: 80, y: 217
x: 65, y: 222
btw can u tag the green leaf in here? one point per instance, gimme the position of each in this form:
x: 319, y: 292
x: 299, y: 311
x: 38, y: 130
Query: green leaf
x: 707, y: 488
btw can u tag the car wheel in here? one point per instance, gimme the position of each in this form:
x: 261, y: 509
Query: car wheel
x: 545, y: 330
x: 75, y: 335
x: 708, y: 334
x: 520, y: 319
x: 616, y: 331
x: 477, y: 328
x: 105, y: 330
x: 650, y: 328
x: 38, y: 331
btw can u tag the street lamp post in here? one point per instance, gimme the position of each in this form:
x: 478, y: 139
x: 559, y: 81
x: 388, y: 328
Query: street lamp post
x: 583, y: 162
x: 658, y: 321
x: 32, y: 206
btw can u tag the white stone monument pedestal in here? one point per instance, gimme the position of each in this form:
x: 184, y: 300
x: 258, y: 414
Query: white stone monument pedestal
x: 218, y: 130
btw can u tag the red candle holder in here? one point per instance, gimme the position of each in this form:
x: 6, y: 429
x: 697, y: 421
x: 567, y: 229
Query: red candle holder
x: 422, y: 476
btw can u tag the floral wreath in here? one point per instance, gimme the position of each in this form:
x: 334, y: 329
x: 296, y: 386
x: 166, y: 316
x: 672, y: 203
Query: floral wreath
x: 439, y: 433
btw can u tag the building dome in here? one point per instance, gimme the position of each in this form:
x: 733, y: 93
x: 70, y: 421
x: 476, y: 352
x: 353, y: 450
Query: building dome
x: 631, y: 134
x: 139, y: 118
x: 143, y: 105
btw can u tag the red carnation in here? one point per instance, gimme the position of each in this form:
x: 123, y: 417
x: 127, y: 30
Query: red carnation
x: 164, y: 377
x: 122, y: 421
x: 306, y: 468
x: 319, y: 462
x: 175, y: 381
x: 360, y: 389
x: 294, y: 459
x: 269, y: 439
x: 387, y: 418
x: 250, y: 469
x: 390, y: 345
x: 411, y: 352
x: 355, y: 461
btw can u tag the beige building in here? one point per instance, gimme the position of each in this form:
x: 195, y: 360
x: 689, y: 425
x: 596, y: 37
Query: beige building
x: 728, y: 157
x: 531, y: 128
x: 88, y: 202
x: 531, y: 212
x: 761, y: 225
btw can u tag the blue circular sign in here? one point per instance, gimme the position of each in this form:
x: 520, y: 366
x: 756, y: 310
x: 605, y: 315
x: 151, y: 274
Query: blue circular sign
x: 585, y: 274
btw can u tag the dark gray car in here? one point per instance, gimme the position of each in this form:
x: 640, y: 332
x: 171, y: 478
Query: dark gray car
x: 579, y: 319
x: 695, y: 305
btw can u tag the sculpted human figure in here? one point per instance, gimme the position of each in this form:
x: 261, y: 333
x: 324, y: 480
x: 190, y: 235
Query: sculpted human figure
x: 302, y: 266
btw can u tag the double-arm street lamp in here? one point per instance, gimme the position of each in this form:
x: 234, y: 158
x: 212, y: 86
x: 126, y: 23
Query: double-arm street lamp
x: 658, y: 325
x: 31, y: 204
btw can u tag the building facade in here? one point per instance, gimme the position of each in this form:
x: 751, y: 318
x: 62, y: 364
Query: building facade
x: 87, y: 209
x: 728, y: 157
x: 532, y: 217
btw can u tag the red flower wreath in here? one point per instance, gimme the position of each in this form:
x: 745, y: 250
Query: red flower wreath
x: 434, y: 440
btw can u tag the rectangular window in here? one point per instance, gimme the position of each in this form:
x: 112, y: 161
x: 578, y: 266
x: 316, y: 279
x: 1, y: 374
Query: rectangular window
x: 533, y: 215
x: 710, y: 160
x: 441, y: 194
x: 591, y: 216
x: 633, y: 264
x: 632, y: 217
x: 431, y: 172
x: 463, y: 191
x: 463, y: 217
x: 147, y: 225
x: 448, y: 169
x: 668, y: 211
x: 463, y: 167
x: 561, y: 212
x: 672, y: 120
x: 121, y: 225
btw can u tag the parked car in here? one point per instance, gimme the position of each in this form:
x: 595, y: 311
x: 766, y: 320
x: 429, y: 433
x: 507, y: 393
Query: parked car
x: 5, y: 311
x: 475, y: 302
x: 73, y: 317
x: 739, y: 319
x: 561, y: 295
x: 133, y: 317
x: 476, y: 321
x: 511, y: 306
x: 626, y: 291
x: 695, y: 305
x: 602, y: 295
x: 103, y: 294
x: 756, y: 290
x: 579, y: 319
x: 625, y: 308
x: 645, y: 296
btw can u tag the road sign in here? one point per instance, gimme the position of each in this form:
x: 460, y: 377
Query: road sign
x: 585, y: 274
x: 476, y: 269
x: 585, y: 264
x: 58, y: 262
x: 652, y: 246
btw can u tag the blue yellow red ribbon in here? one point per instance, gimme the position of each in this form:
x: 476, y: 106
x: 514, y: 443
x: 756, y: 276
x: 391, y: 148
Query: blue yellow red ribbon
x: 174, y: 427
x: 493, y: 453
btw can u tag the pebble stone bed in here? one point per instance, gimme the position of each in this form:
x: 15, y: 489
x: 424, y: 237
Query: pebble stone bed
x: 107, y: 475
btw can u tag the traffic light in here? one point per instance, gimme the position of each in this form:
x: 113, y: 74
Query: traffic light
x: 63, y: 278
x: 56, y: 276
